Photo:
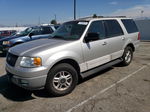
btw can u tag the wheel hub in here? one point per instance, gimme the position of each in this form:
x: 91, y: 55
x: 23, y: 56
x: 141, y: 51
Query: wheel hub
x: 128, y: 56
x: 62, y: 80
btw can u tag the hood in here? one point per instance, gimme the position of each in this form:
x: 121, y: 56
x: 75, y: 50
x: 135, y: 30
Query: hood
x: 36, y: 46
x: 9, y: 38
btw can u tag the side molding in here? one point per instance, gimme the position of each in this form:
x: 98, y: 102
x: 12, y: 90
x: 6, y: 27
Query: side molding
x: 100, y: 68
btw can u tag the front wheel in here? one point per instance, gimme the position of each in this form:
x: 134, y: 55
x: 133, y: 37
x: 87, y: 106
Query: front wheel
x: 61, y: 80
x: 127, y: 56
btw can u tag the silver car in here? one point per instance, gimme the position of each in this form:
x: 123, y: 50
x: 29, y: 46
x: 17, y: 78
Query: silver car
x: 77, y: 49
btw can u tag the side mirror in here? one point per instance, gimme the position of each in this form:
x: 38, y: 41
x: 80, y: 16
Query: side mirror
x: 31, y: 34
x: 91, y: 37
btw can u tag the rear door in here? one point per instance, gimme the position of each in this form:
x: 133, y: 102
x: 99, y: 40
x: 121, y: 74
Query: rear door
x: 115, y: 38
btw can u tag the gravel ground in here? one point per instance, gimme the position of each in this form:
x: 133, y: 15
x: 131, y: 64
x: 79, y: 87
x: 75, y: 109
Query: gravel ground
x: 117, y: 89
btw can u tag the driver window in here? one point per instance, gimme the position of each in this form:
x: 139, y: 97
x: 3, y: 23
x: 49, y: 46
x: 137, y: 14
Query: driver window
x: 36, y: 31
x: 97, y: 27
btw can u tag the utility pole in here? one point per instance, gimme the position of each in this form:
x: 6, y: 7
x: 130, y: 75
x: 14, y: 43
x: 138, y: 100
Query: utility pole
x: 74, y: 9
x: 142, y: 11
x: 39, y: 21
x: 55, y: 17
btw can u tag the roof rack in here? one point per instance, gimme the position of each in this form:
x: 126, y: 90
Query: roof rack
x: 90, y: 17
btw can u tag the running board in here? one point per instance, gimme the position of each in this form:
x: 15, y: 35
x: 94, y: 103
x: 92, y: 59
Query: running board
x: 100, y: 68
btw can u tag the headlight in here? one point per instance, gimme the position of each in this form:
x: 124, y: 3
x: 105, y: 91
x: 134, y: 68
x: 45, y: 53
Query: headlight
x: 6, y: 42
x: 31, y: 62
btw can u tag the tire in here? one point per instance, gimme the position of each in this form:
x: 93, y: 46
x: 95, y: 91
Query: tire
x: 66, y: 79
x: 127, y: 56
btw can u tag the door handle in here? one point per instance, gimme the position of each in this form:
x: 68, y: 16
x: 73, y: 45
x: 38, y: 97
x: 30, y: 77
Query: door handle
x: 123, y: 38
x: 104, y: 43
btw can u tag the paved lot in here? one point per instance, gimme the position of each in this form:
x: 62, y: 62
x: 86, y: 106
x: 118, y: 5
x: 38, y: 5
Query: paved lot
x: 117, y: 89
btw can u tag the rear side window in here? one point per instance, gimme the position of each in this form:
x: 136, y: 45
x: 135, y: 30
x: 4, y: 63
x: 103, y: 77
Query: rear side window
x: 97, y: 27
x: 113, y: 28
x: 130, y: 25
x: 46, y: 30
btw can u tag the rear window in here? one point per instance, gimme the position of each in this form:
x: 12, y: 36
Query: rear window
x: 113, y: 28
x: 130, y: 25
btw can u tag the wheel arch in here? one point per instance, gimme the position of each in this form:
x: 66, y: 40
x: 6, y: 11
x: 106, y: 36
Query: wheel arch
x: 131, y: 45
x: 70, y: 61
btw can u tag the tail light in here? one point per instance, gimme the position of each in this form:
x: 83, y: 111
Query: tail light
x: 139, y: 36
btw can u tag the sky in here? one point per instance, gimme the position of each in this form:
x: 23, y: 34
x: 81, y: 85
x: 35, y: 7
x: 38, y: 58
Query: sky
x: 22, y: 12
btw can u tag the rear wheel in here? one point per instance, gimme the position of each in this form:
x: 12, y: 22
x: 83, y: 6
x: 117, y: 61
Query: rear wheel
x: 61, y: 80
x: 127, y: 56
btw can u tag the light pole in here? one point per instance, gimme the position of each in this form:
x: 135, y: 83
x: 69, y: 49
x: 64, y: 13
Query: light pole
x: 39, y: 20
x: 55, y: 17
x: 74, y: 9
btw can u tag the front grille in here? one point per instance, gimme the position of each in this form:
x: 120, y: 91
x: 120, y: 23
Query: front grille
x: 11, y: 59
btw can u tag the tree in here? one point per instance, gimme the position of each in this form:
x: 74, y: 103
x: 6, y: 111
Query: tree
x: 53, y: 22
x: 94, y: 16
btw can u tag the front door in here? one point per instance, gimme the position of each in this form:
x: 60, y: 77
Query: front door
x: 95, y: 52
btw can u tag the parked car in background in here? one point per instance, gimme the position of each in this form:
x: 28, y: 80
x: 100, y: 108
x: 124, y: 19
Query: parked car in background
x: 29, y: 34
x: 77, y: 49
x: 6, y: 33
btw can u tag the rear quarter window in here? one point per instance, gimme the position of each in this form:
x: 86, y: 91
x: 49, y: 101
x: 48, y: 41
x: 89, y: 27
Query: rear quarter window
x: 130, y: 25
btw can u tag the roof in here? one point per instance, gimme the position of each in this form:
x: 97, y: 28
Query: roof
x: 102, y: 17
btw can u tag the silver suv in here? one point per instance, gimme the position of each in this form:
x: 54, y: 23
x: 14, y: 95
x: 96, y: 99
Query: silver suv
x: 77, y: 49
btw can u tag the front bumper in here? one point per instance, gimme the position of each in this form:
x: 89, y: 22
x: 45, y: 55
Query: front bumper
x: 27, y: 79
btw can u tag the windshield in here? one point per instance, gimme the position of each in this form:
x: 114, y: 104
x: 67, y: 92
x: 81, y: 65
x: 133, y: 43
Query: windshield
x: 70, y: 30
x: 25, y: 32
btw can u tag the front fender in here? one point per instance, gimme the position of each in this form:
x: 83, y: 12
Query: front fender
x: 52, y: 60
